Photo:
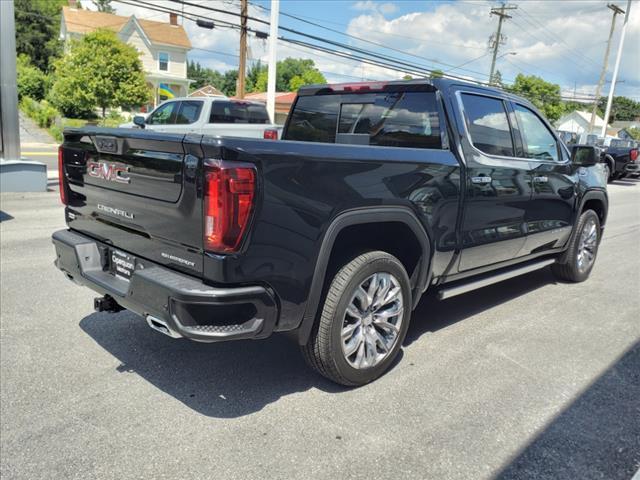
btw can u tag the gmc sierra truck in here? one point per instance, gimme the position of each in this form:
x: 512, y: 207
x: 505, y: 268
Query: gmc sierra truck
x: 376, y: 193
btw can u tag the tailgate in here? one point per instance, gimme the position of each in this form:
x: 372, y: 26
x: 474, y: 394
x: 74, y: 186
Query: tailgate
x: 137, y: 191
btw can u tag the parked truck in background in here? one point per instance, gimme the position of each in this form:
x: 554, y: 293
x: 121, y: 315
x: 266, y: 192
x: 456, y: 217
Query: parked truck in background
x: 213, y: 115
x: 377, y: 193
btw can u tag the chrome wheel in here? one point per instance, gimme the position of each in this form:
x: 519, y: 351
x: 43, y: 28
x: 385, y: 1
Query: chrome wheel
x: 587, y: 246
x: 372, y: 321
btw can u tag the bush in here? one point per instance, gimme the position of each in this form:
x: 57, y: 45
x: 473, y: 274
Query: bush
x: 40, y: 112
x: 32, y: 82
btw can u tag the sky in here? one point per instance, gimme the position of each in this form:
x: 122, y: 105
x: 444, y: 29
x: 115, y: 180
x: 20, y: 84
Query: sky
x: 561, y: 41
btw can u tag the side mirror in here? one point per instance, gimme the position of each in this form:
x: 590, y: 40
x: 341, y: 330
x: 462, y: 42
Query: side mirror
x: 585, y: 155
x: 139, y: 121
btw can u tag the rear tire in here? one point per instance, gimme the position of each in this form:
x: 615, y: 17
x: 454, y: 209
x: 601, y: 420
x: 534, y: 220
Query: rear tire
x: 583, y: 249
x: 363, y: 321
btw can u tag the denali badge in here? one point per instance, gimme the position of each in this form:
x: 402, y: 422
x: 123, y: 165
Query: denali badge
x: 115, y: 211
x: 108, y: 171
x: 178, y: 259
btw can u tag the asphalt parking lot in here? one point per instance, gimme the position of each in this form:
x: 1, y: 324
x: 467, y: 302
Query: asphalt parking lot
x: 524, y: 379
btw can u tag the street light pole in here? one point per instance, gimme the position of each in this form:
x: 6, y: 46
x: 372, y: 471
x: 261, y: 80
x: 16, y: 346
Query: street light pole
x: 9, y: 130
x: 615, y: 70
x: 271, y: 72
x: 616, y: 11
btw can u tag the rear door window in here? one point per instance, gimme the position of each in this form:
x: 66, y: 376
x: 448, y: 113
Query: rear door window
x: 189, y: 112
x: 165, y: 114
x: 390, y: 119
x: 238, y: 112
x: 488, y: 125
x: 538, y: 140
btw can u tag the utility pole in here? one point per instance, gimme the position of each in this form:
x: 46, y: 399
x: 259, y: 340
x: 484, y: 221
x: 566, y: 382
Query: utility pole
x: 497, y: 40
x: 616, y: 10
x: 242, y: 67
x: 615, y: 69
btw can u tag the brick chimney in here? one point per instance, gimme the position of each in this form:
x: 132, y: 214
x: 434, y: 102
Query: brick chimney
x: 173, y: 18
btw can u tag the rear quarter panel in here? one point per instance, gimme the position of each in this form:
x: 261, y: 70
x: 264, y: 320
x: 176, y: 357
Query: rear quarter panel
x: 304, y: 186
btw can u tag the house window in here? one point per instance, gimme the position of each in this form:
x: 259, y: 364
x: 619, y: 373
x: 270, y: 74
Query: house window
x: 163, y: 61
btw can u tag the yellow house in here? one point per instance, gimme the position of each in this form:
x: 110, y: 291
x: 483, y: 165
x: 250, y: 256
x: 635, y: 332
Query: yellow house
x: 163, y: 46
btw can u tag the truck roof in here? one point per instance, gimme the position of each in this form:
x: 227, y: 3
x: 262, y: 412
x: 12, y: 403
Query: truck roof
x: 415, y: 84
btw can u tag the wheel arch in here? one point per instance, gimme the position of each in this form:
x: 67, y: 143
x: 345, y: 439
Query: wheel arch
x: 363, y: 217
x: 595, y: 200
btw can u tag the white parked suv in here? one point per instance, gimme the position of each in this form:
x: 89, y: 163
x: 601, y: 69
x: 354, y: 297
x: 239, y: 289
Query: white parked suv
x: 218, y: 116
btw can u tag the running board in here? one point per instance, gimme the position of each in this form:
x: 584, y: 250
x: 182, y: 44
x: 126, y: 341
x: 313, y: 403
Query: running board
x: 499, y: 277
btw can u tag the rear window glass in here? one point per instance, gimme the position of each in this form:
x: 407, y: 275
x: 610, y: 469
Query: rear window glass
x: 488, y: 125
x: 393, y: 119
x: 238, y: 112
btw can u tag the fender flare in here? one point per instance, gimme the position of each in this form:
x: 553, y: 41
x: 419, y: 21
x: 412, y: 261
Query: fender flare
x: 588, y: 195
x: 594, y: 195
x: 611, y: 163
x: 358, y: 217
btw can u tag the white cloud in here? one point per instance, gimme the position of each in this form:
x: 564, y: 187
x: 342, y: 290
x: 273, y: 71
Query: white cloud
x: 563, y: 42
x: 373, y: 6
x: 365, y: 5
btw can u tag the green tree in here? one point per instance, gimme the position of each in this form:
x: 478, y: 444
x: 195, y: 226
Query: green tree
x: 229, y: 82
x: 37, y: 30
x: 32, y: 82
x: 437, y: 73
x: 309, y: 77
x: 292, y: 73
x: 104, y: 6
x: 98, y: 71
x: 634, y: 132
x: 544, y: 95
x: 407, y: 77
x: 203, y: 76
x: 622, y: 109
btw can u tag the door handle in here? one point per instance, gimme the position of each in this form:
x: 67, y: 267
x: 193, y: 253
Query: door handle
x: 540, y: 179
x: 480, y: 179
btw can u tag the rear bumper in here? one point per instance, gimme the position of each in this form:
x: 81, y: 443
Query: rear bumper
x: 185, y: 305
x: 632, y: 168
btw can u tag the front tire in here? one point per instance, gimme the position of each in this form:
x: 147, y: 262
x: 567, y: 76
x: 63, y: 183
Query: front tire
x: 581, y: 255
x: 363, y: 322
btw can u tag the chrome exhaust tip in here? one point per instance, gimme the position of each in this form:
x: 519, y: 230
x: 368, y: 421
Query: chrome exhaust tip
x: 161, y: 326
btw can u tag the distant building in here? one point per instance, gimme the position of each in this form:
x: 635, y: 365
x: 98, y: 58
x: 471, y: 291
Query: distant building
x: 207, y: 91
x: 284, y: 100
x: 620, y: 128
x: 578, y: 122
x: 163, y: 46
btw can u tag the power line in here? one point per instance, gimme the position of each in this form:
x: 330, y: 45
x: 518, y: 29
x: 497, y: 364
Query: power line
x: 560, y: 39
x: 324, y: 40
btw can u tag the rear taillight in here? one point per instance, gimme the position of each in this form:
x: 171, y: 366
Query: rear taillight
x: 230, y: 189
x: 633, y: 154
x: 61, y: 176
x: 270, y: 134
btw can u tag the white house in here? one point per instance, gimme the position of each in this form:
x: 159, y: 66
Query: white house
x: 578, y: 122
x: 163, y: 46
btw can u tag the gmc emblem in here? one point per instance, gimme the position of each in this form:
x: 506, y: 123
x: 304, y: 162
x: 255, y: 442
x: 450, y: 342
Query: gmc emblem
x: 108, y: 171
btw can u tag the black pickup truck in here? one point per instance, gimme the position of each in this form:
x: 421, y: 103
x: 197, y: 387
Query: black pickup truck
x: 620, y: 158
x: 377, y: 192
